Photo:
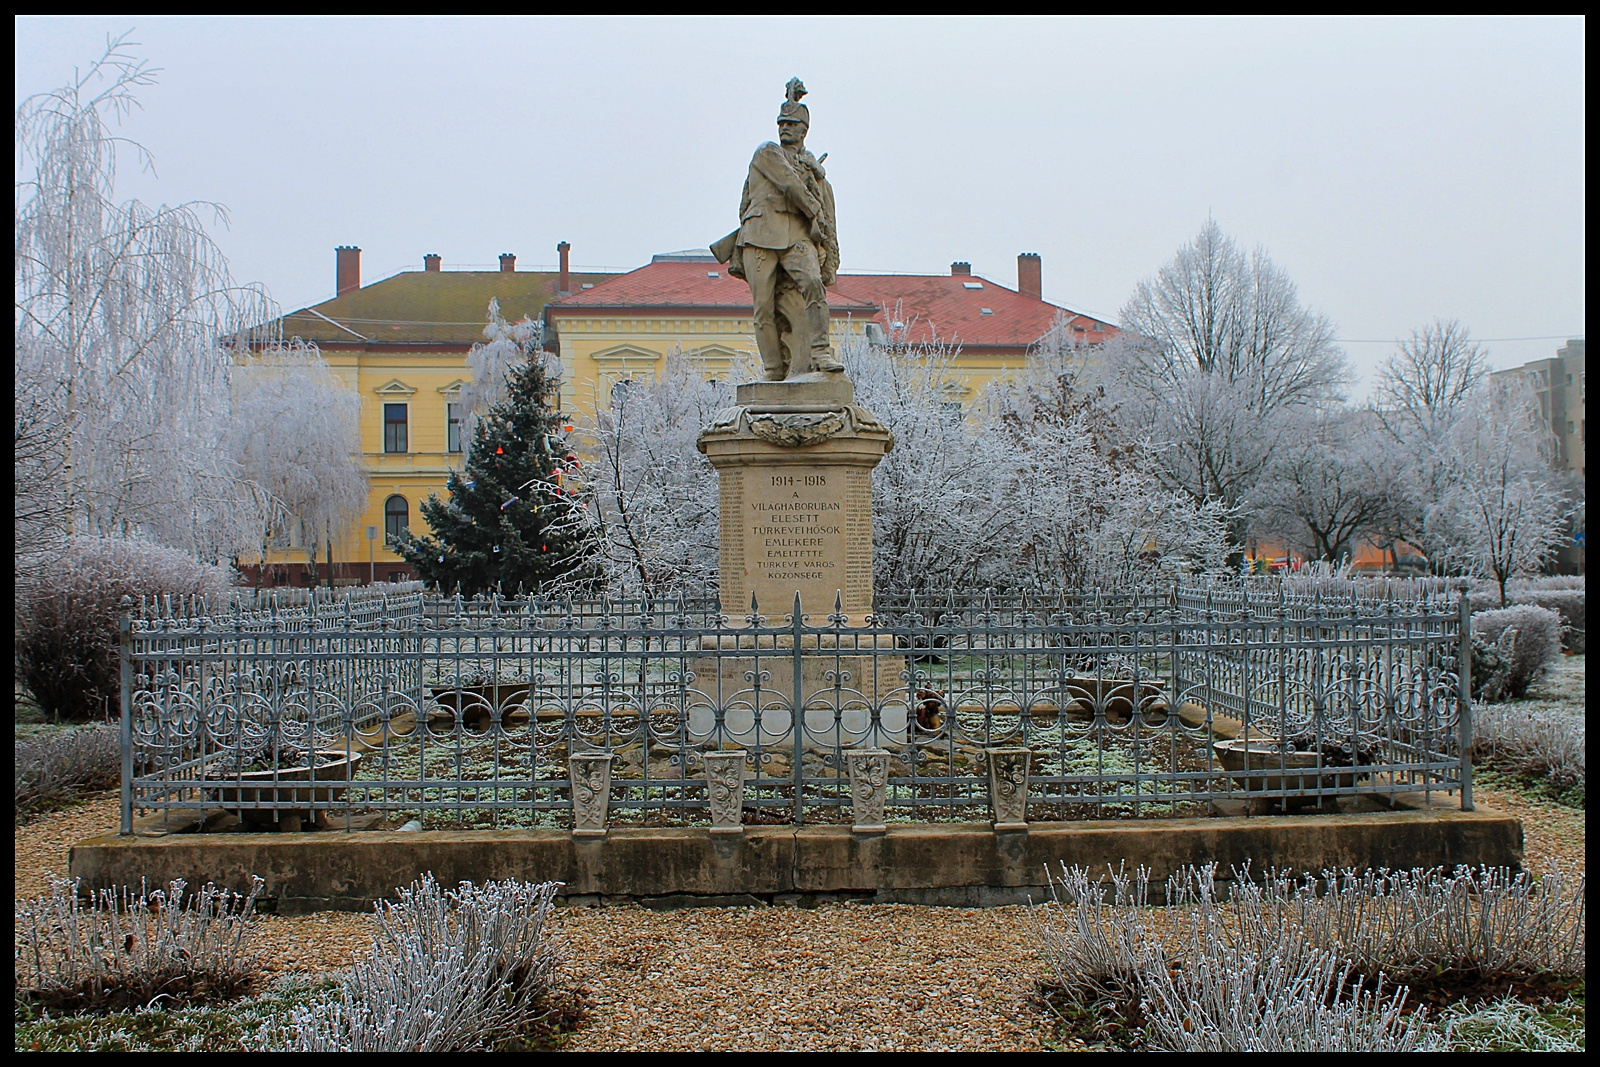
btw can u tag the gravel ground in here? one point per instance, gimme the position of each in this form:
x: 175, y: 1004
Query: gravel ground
x: 868, y: 977
x: 842, y: 976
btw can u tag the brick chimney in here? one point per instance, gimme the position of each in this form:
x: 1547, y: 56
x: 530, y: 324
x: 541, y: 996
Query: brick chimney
x: 347, y: 273
x: 430, y: 263
x: 960, y: 268
x: 564, y: 250
x: 1030, y: 275
x: 508, y: 262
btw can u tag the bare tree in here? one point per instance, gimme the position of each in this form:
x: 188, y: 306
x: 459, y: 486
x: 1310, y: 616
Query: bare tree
x: 1215, y: 311
x: 651, y: 496
x: 1423, y: 392
x: 1505, y: 504
x: 1217, y: 351
x: 297, y: 435
x: 1424, y: 386
x: 119, y: 311
x: 939, y: 509
x: 38, y: 456
x: 1333, y: 481
x: 1090, y: 508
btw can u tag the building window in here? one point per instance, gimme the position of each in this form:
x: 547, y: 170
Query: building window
x: 619, y: 392
x: 452, y: 417
x: 396, y: 518
x: 394, y: 427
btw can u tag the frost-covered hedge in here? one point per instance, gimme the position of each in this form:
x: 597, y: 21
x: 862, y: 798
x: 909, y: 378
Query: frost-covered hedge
x: 116, y: 950
x: 52, y: 768
x: 1535, y: 742
x: 68, y: 603
x: 1510, y: 646
x: 1568, y: 603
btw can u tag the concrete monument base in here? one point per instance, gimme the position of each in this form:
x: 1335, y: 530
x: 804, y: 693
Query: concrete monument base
x: 795, y: 463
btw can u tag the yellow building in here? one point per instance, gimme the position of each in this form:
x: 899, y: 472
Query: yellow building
x: 402, y: 344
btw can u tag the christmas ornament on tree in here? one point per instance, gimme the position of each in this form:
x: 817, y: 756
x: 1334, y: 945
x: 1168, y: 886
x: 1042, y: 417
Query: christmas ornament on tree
x: 508, y: 520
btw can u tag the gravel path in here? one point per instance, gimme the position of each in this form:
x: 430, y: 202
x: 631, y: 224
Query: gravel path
x: 858, y: 977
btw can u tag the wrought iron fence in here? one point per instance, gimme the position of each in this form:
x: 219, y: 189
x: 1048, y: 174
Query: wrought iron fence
x: 525, y: 712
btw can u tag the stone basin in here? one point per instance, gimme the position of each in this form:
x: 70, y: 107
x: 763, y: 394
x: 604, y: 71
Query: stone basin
x: 325, y: 783
x: 1265, y: 763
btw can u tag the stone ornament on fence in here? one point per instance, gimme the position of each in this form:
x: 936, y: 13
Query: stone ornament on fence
x: 869, y: 782
x: 591, y: 792
x: 725, y: 791
x: 1008, y: 787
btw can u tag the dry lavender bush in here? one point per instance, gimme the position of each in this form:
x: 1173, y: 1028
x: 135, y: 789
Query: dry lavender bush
x: 120, y: 950
x: 53, y: 768
x: 465, y: 969
x: 1269, y: 969
x: 1537, y: 742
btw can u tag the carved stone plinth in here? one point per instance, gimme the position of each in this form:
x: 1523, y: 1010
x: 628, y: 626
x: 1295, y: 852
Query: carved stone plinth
x: 1008, y: 787
x: 590, y: 773
x: 869, y: 782
x: 725, y: 791
x: 795, y: 463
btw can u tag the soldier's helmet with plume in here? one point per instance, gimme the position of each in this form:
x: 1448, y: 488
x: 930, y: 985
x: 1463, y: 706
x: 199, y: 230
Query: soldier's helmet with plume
x: 792, y: 109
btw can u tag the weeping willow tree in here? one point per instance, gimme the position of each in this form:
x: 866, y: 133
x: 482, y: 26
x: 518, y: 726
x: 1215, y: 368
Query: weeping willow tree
x: 130, y: 332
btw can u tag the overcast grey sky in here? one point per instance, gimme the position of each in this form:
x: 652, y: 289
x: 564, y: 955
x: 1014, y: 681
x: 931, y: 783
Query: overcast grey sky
x: 1398, y: 169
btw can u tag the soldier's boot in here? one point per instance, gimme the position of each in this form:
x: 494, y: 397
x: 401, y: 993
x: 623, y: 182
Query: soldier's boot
x: 821, y: 349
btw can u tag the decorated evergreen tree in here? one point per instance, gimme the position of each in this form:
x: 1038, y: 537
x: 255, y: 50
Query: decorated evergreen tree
x: 511, y: 519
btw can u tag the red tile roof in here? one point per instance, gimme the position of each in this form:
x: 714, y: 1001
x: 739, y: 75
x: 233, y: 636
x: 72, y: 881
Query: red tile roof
x: 685, y: 284
x: 944, y: 308
x: 937, y: 307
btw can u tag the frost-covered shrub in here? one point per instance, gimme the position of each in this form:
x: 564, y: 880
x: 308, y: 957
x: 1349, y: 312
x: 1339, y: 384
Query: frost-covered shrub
x: 1568, y: 603
x: 53, y: 767
x: 1532, y: 742
x: 69, y: 602
x: 1268, y: 963
x: 1236, y: 1001
x: 121, y: 949
x: 452, y: 970
x: 1505, y: 666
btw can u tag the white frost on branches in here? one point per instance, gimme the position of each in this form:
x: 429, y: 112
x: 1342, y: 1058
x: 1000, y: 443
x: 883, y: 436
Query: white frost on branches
x: 296, y: 432
x: 1218, y: 352
x: 1504, y: 503
x: 1477, y: 492
x: 652, y: 496
x: 128, y: 329
x: 506, y: 346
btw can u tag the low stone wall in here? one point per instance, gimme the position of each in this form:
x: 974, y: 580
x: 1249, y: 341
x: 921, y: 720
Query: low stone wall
x: 966, y: 864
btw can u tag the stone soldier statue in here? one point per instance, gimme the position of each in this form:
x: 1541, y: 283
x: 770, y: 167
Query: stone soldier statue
x: 787, y: 248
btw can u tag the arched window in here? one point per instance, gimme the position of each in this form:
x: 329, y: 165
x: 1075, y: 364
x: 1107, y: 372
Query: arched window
x: 396, y: 517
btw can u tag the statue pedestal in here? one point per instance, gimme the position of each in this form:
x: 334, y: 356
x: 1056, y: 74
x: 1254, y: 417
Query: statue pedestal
x: 795, y: 462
